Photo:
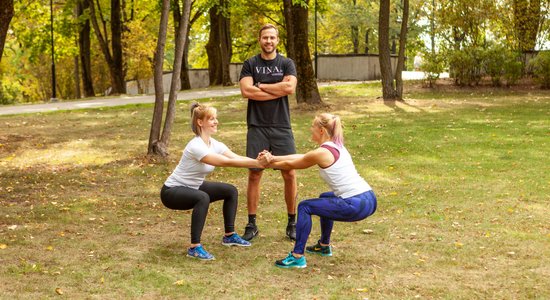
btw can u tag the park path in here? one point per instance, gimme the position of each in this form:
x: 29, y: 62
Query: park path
x: 130, y: 99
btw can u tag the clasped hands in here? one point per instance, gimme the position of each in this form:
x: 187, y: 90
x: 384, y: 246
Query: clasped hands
x: 265, y: 158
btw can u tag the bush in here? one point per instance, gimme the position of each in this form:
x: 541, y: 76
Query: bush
x: 502, y: 63
x: 466, y: 66
x: 541, y: 68
x: 432, y: 65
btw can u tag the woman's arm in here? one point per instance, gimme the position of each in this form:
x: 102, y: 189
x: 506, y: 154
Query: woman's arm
x: 319, y: 156
x: 233, y: 160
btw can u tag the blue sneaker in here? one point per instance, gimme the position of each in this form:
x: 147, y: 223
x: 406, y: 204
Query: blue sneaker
x: 200, y: 253
x: 291, y: 262
x: 235, y: 240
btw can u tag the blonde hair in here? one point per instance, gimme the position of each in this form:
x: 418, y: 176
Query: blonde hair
x: 333, y: 127
x: 200, y: 112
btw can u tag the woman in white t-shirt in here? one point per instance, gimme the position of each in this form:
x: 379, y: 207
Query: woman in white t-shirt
x: 350, y: 199
x: 186, y: 188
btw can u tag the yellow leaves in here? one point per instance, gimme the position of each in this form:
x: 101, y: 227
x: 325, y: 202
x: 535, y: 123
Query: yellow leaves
x: 179, y: 282
x: 3, y: 246
x: 362, y: 290
x: 458, y: 244
x: 49, y: 248
x: 58, y: 291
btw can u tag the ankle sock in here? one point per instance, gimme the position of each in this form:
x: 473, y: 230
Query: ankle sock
x: 291, y: 218
x: 252, y: 219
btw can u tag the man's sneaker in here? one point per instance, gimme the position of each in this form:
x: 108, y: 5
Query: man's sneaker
x: 235, y: 240
x: 321, y: 250
x: 291, y: 262
x: 250, y: 231
x: 291, y: 230
x: 200, y: 253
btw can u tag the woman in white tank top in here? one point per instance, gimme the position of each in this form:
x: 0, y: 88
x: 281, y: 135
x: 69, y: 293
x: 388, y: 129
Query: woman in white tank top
x: 350, y: 197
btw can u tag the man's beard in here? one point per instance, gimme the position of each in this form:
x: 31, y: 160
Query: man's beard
x: 264, y: 50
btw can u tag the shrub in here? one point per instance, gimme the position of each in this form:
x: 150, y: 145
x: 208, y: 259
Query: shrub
x: 501, y: 62
x: 541, y: 68
x: 466, y: 66
x: 432, y: 65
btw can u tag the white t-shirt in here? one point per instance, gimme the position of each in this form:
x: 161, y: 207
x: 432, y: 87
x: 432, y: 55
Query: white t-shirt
x: 190, y: 171
x: 342, y: 177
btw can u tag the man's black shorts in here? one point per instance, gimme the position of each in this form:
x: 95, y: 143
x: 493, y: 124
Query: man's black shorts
x: 279, y: 141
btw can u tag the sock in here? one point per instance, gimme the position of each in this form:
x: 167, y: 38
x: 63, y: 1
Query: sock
x: 291, y: 218
x: 252, y: 219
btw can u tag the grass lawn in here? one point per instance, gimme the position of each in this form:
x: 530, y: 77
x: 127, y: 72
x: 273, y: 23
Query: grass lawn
x: 462, y: 178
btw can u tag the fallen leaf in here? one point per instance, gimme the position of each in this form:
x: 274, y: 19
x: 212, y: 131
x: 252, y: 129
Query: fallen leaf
x: 59, y: 291
x: 179, y: 282
x: 368, y: 231
x: 49, y: 248
x: 329, y: 277
x: 3, y: 246
x: 362, y: 290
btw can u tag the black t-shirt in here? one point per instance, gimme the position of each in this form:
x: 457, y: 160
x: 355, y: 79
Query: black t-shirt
x: 270, y: 113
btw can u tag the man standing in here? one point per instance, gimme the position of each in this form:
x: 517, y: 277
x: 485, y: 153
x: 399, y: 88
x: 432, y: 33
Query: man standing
x: 266, y: 80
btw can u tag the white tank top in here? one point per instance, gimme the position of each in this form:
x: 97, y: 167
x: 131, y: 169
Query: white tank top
x: 342, y: 177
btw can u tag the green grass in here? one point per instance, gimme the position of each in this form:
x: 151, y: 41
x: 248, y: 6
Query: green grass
x: 462, y: 178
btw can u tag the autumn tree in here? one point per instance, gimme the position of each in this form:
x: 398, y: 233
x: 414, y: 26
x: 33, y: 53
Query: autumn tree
x: 6, y: 13
x: 218, y: 48
x: 158, y: 144
x: 198, y: 10
x: 297, y: 37
x: 84, y: 47
x: 113, y: 52
x: 526, y: 23
x: 392, y: 83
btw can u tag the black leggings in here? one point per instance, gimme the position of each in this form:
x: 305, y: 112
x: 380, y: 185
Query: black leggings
x: 184, y: 198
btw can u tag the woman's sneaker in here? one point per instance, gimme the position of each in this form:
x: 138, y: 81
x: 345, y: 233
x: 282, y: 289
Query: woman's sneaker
x: 200, y: 253
x: 235, y: 240
x: 321, y: 250
x: 291, y: 262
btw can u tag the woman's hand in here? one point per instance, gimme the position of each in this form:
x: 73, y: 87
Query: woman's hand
x: 265, y: 158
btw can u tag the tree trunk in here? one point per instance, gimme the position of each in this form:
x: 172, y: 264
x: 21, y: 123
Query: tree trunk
x: 116, y: 46
x: 77, y: 93
x: 287, y: 11
x: 154, y: 136
x: 355, y: 38
x: 388, y: 90
x: 307, y: 91
x: 174, y: 85
x: 213, y: 48
x: 114, y: 61
x: 526, y: 23
x: 84, y: 51
x: 218, y: 47
x: 185, y: 82
x: 6, y: 13
x: 402, y: 45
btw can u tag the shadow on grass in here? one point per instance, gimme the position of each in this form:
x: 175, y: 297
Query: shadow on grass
x: 393, y: 104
